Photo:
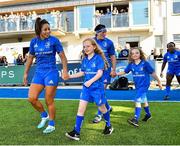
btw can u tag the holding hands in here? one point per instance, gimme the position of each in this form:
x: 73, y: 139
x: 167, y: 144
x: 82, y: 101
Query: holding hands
x: 161, y: 75
x: 113, y: 74
x: 65, y: 76
x: 88, y: 83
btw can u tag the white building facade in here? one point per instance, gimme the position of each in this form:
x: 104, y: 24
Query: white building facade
x: 148, y: 24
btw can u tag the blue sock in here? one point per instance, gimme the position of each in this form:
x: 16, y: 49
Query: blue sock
x: 78, y: 125
x: 146, y: 109
x: 51, y: 123
x: 107, y: 118
x: 168, y: 88
x: 137, y: 113
x: 44, y: 114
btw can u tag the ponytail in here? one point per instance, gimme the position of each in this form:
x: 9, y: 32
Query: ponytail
x: 38, y: 25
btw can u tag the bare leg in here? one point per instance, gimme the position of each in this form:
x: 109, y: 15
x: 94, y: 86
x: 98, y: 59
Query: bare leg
x: 34, y: 91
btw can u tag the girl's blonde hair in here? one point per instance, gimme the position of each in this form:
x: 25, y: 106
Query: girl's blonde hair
x: 97, y: 50
x: 142, y: 55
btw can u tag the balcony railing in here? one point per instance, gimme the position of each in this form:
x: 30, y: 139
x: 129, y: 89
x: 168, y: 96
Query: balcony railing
x: 17, y: 23
x: 119, y: 20
x: 64, y: 21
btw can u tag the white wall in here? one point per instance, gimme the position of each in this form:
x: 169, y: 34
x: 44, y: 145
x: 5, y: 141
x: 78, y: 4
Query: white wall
x: 173, y: 23
x: 12, y: 50
x: 75, y: 44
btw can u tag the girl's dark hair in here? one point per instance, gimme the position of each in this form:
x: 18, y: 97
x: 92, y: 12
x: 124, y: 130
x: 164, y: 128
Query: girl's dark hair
x: 171, y: 45
x: 38, y: 25
x: 99, y: 27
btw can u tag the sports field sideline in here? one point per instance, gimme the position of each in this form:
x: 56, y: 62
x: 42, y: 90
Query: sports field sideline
x: 19, y: 120
x: 73, y: 92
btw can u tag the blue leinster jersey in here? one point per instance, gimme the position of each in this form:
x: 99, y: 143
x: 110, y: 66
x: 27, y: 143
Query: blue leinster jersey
x: 140, y: 73
x: 173, y: 60
x: 45, y: 51
x: 90, y: 68
x: 108, y: 48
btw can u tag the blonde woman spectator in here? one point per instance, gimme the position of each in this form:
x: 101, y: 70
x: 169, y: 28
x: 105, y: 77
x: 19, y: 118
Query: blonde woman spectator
x: 6, y: 22
x: 17, y: 20
x: 97, y: 15
x: 34, y: 16
x: 11, y: 20
x: 115, y: 12
x: 1, y: 23
x: 54, y: 16
x: 29, y: 21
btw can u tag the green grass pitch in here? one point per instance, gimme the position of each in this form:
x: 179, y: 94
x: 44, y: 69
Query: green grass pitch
x: 18, y: 121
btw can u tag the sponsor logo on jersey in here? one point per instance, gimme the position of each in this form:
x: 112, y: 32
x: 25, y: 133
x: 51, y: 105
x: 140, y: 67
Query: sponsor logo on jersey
x: 47, y: 44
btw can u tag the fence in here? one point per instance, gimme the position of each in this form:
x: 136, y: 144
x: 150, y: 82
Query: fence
x: 13, y: 75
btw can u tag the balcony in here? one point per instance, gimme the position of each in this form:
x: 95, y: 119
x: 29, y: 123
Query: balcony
x: 112, y: 21
x: 16, y: 24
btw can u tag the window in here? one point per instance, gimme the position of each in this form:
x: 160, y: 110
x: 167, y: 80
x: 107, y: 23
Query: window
x: 158, y: 41
x: 67, y: 21
x: 133, y: 41
x: 86, y: 15
x: 140, y: 12
x: 103, y: 16
x: 176, y: 37
x: 176, y: 6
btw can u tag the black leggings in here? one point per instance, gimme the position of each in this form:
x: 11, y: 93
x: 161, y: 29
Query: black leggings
x: 169, y: 79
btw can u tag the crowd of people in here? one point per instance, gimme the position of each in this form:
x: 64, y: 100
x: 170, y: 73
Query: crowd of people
x: 120, y: 17
x: 26, y: 20
x: 17, y: 61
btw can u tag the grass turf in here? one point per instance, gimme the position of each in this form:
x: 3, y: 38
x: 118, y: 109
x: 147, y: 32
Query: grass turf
x: 18, y: 121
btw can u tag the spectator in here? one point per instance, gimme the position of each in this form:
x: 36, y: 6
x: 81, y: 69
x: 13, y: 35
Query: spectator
x: 25, y: 58
x: 0, y: 60
x: 17, y: 21
x: 108, y: 12
x: 23, y: 21
x: 115, y: 12
x: 125, y: 51
x: 97, y: 16
x: 19, y: 60
x: 4, y: 61
x: 1, y: 23
x: 101, y: 12
x: 151, y: 56
x: 118, y: 51
x: 34, y: 16
x: 161, y: 54
x: 29, y: 21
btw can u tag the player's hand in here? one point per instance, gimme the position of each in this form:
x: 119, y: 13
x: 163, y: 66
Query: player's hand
x: 25, y: 81
x: 113, y: 74
x: 88, y: 83
x: 160, y: 85
x: 161, y: 75
x: 118, y: 74
x: 65, y: 76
